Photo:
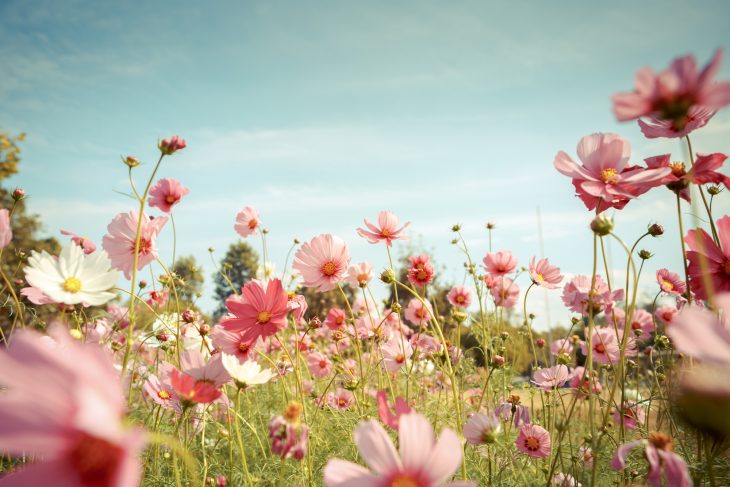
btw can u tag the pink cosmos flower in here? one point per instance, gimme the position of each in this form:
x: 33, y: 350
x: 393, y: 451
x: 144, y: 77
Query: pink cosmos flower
x: 561, y: 479
x: 585, y: 453
x: 191, y: 391
x: 247, y: 222
x: 86, y: 244
x: 561, y: 345
x: 631, y: 415
x: 604, y: 176
x: 699, y: 333
x: 171, y: 145
x: 322, y: 262
x: 423, y: 460
x: 161, y: 394
x: 500, y: 263
x: 666, y: 314
x: 664, y: 464
x: 670, y: 282
x: 605, y: 344
x: 63, y: 405
x: 158, y: 298
x: 577, y: 292
x: 6, y: 233
x: 581, y: 382
x: 459, y: 296
x: 319, y: 365
x: 289, y: 437
x: 512, y: 410
x: 386, y: 231
x: 677, y: 100
x: 359, y: 275
x: 481, y: 429
x: 395, y: 353
x: 391, y: 418
x: 258, y: 312
x: 421, y: 270
x: 418, y: 313
x: 297, y: 303
x: 642, y: 323
x: 705, y: 170
x: 505, y: 292
x: 551, y: 377
x: 119, y: 243
x: 335, y: 318
x: 545, y: 275
x: 166, y: 193
x: 717, y: 259
x: 341, y: 400
x: 534, y: 441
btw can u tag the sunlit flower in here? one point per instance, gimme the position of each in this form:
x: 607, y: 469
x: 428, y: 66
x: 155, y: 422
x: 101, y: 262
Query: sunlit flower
x: 420, y: 271
x: 84, y: 242
x: 258, y: 312
x: 322, y: 262
x: 247, y: 222
x: 716, y: 265
x: 167, y: 193
x: 505, y: 292
x: 544, y: 274
x: 121, y: 240
x: 395, y: 353
x: 335, y: 318
x: 319, y: 364
x: 666, y: 468
x: 418, y: 313
x: 245, y: 374
x: 705, y: 170
x: 386, y: 231
x: 459, y: 296
x: 359, y: 275
x: 534, y: 441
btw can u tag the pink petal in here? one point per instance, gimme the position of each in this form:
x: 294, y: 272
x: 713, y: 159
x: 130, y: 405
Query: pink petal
x: 376, y: 448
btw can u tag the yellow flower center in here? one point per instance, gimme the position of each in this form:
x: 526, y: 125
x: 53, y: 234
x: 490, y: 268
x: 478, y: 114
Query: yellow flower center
x: 385, y: 232
x: 539, y: 276
x: 403, y: 481
x: 329, y: 268
x: 609, y: 176
x: 668, y: 285
x: 459, y: 298
x: 263, y: 317
x: 163, y: 394
x: 252, y: 223
x: 170, y: 199
x: 72, y: 285
x: 677, y: 169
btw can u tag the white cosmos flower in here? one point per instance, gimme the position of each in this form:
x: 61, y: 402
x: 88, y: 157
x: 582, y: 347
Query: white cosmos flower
x: 73, y: 277
x: 248, y: 373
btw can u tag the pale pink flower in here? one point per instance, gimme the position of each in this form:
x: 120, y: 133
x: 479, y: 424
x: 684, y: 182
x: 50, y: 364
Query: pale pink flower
x: 670, y: 282
x: 85, y: 243
x: 120, y: 242
x: 395, y: 353
x: 459, y: 296
x: 552, y: 377
x: 534, y: 441
x: 342, y: 399
x: 631, y: 415
x: 319, y: 364
x: 423, y: 460
x: 418, y: 313
x: 604, y: 177
x: 359, y: 275
x: 642, y: 323
x: 166, y: 193
x: 699, y: 333
x: 582, y: 383
x: 6, y: 232
x: 544, y: 274
x: 161, y: 394
x: 500, y: 263
x: 247, y: 222
x: 512, y: 410
x: 322, y: 262
x: 421, y: 270
x: 605, y: 344
x: 561, y: 345
x: 717, y: 259
x: 63, y: 406
x: 297, y: 303
x: 426, y: 344
x: 666, y: 468
x: 258, y: 312
x: 585, y: 455
x: 391, y: 418
x: 386, y: 231
x: 561, y: 479
x: 677, y: 100
x: 577, y: 294
x: 289, y: 437
x: 666, y: 314
x: 171, y: 145
x: 482, y: 429
x: 505, y: 292
x: 335, y: 318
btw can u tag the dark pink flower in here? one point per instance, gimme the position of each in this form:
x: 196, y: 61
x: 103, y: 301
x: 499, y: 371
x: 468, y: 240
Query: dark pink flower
x: 335, y: 319
x: 675, y: 101
x: 171, y: 145
x: 705, y: 170
x: 167, y: 193
x: 534, y: 441
x: 258, y: 312
x: 670, y: 282
x: 717, y: 259
x: 421, y: 270
x: 388, y: 417
x: 386, y: 231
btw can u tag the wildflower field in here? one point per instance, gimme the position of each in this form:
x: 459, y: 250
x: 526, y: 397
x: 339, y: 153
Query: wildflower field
x: 337, y: 372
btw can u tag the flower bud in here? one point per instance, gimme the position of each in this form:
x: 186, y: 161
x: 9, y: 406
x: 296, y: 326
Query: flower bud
x: 456, y: 228
x: 645, y: 254
x: 564, y: 358
x: 18, y: 194
x: 540, y: 342
x: 188, y: 316
x: 490, y: 226
x: 142, y: 284
x: 497, y: 361
x: 655, y: 230
x: 458, y: 315
x: 504, y: 335
x: 713, y: 190
x: 131, y: 161
x: 396, y: 308
x: 171, y: 145
x: 602, y: 225
x: 387, y: 276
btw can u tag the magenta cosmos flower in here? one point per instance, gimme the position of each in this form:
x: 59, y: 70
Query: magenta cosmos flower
x: 119, y: 243
x: 705, y: 170
x: 423, y: 460
x: 167, y: 193
x: 391, y: 418
x: 698, y: 332
x: 459, y: 296
x: 675, y: 101
x: 717, y: 259
x: 670, y: 282
x: 64, y: 407
x: 386, y: 231
x: 604, y: 177
x: 258, y: 312
x: 247, y: 221
x: 421, y: 270
x: 534, y: 441
x: 666, y: 468
x: 322, y: 262
x: 171, y: 145
x: 544, y: 274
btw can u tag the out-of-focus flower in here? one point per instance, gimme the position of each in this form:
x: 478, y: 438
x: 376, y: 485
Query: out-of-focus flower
x: 664, y: 464
x: 580, y: 298
x: 699, y: 333
x: 335, y: 319
x: 171, y: 145
x: 482, y: 429
x: 704, y: 170
x: 289, y: 437
x: 551, y: 377
x: 561, y: 345
x: 395, y: 353
x: 359, y: 275
x: 121, y: 239
x: 564, y: 480
x: 6, y: 233
x: 319, y: 364
x: 247, y: 222
x: 459, y: 296
x: 419, y: 313
x: 167, y: 193
x: 422, y: 459
x: 85, y: 243
x: 388, y: 417
x: 716, y: 259
x: 505, y: 292
x: 631, y: 414
x: 246, y: 374
x: 73, y: 277
x: 500, y: 263
x: 386, y: 231
x: 322, y: 262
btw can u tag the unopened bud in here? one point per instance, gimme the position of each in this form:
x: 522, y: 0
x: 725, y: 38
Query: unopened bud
x: 456, y: 228
x: 645, y: 254
x: 540, y: 342
x: 714, y: 190
x: 18, y: 194
x: 131, y: 161
x: 142, y: 284
x: 497, y: 361
x: 387, y: 276
x: 188, y: 316
x: 602, y: 225
x: 396, y: 308
x: 655, y: 230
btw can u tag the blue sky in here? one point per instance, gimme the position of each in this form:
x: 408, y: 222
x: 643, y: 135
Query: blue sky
x: 320, y: 113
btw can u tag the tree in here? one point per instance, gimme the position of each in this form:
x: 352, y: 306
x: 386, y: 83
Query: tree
x: 190, y: 279
x: 25, y: 229
x: 238, y: 266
